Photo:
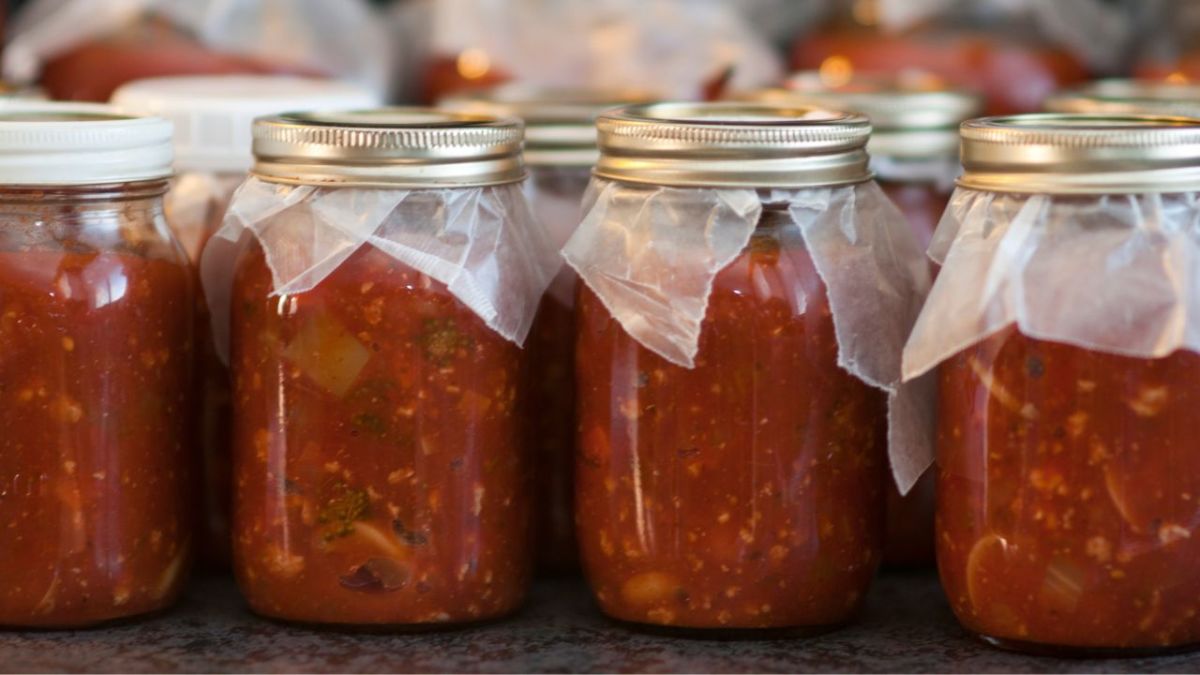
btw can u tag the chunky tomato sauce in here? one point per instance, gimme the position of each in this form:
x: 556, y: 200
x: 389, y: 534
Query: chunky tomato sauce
x: 746, y: 492
x: 379, y: 473
x: 95, y: 347
x: 1069, y: 494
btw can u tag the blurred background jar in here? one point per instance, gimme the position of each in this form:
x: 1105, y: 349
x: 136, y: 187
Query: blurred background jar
x: 560, y: 150
x: 1060, y: 326
x: 1014, y: 53
x: 212, y: 116
x: 1129, y: 97
x: 95, y: 358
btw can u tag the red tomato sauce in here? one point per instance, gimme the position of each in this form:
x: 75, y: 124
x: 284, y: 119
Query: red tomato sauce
x: 746, y: 492
x: 95, y: 523
x: 379, y: 472
x: 1069, y: 494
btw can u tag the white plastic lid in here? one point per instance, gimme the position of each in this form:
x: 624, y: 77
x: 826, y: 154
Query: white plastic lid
x: 72, y: 144
x: 213, y: 115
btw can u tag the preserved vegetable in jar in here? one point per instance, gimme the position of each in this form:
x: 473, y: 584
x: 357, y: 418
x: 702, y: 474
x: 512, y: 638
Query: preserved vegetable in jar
x: 970, y: 44
x: 731, y: 471
x: 95, y: 349
x: 914, y: 154
x: 1128, y: 97
x: 380, y: 475
x: 560, y: 149
x: 1061, y: 329
x: 213, y: 115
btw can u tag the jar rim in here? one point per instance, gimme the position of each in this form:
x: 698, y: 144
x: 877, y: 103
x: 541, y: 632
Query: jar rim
x: 732, y: 144
x: 1069, y: 153
x: 71, y: 144
x: 388, y: 147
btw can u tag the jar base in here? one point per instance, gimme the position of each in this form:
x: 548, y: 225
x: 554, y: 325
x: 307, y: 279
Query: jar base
x: 1078, y: 652
x: 386, y: 628
x: 723, y: 634
x: 96, y: 624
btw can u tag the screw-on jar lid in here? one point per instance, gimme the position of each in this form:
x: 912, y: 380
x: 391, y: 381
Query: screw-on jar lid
x: 911, y: 118
x: 213, y: 114
x: 389, y: 147
x: 1081, y: 154
x: 560, y: 124
x: 1128, y: 97
x: 732, y: 145
x: 72, y: 144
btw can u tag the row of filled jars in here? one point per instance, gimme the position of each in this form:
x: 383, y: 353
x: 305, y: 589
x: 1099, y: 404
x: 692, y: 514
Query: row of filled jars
x: 742, y: 333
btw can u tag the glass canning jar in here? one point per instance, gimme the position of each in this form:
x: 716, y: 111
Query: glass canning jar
x: 381, y: 477
x: 95, y: 358
x: 730, y: 473
x: 1060, y: 327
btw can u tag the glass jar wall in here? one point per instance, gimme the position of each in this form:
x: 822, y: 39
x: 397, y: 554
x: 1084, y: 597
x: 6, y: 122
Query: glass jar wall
x: 95, y: 353
x: 746, y: 492
x: 381, y: 476
x: 730, y: 473
x: 1066, y: 473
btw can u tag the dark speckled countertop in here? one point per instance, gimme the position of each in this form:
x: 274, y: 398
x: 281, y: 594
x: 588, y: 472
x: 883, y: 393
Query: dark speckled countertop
x: 907, y: 626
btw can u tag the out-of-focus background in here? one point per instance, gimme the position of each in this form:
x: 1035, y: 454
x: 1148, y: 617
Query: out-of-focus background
x: 1015, y: 52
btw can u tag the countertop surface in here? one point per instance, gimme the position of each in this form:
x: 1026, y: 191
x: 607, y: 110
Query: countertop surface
x: 907, y: 626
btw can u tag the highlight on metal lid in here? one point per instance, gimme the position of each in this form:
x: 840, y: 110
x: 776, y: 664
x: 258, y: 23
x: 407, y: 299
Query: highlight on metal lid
x: 1129, y: 97
x: 1081, y: 154
x: 389, y: 147
x: 731, y: 144
x: 913, y: 115
x: 559, y: 122
x: 80, y: 144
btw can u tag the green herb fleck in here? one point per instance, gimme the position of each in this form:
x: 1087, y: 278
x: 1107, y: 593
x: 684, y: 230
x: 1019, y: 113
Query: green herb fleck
x: 370, y: 423
x: 441, y: 340
x: 342, y: 510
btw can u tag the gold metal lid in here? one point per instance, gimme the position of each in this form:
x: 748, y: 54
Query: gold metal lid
x: 1129, y: 97
x: 912, y: 117
x: 560, y: 123
x: 732, y: 145
x: 388, y: 147
x: 1081, y: 154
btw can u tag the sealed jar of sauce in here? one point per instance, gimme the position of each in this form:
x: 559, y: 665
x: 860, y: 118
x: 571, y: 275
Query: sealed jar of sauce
x: 914, y: 154
x: 732, y: 429
x: 390, y: 270
x: 213, y: 117
x: 560, y: 150
x: 1062, y: 326
x: 95, y: 353
x: 1001, y: 51
x: 1129, y: 97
